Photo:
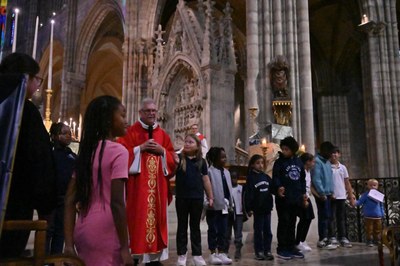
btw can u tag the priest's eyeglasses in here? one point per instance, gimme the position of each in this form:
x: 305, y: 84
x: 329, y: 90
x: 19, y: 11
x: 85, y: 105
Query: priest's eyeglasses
x: 149, y: 111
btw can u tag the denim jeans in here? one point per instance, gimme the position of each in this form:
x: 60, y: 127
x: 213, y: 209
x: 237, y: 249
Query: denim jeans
x: 324, y: 214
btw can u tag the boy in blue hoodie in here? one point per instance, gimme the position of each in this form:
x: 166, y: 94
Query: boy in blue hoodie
x: 322, y: 184
x: 288, y: 177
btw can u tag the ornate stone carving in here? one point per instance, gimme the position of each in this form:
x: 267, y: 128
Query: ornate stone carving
x: 279, y: 75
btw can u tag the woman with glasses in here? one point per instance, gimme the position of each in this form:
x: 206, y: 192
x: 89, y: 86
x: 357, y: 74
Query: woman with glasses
x: 33, y: 183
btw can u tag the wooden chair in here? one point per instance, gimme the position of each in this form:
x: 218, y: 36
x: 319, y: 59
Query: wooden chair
x: 39, y: 257
x: 391, y: 239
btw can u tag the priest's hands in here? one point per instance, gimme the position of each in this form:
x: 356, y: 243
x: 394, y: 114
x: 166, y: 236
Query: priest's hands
x: 153, y: 147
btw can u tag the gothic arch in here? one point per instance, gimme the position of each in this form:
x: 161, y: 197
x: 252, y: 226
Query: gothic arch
x: 181, y: 98
x: 90, y: 28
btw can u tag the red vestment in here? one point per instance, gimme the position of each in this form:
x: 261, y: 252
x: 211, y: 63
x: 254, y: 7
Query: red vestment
x: 148, y: 192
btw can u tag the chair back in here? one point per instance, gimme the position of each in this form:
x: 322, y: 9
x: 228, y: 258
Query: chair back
x: 12, y: 97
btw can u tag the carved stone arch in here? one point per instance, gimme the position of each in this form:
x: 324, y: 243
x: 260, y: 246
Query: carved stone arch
x: 181, y: 98
x: 89, y: 29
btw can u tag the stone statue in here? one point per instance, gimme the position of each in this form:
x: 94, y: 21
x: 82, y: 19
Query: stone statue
x: 279, y: 75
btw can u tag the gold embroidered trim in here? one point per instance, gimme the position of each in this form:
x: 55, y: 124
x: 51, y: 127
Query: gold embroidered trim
x: 152, y: 166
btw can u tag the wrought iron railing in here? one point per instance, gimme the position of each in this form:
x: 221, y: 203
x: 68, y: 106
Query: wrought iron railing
x: 389, y: 186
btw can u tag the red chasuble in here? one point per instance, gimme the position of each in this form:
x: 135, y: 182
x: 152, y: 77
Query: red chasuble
x: 148, y: 192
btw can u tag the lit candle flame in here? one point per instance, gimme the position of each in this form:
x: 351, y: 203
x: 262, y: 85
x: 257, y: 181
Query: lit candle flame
x: 303, y: 148
x: 264, y: 142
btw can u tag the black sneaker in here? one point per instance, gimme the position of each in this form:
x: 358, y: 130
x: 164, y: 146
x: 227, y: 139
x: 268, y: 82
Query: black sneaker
x: 297, y: 254
x: 268, y: 256
x: 238, y: 254
x: 259, y: 256
x: 286, y: 255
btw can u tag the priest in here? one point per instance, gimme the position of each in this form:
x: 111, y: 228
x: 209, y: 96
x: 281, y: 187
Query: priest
x: 152, y: 162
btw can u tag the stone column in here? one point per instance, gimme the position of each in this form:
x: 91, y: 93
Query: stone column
x: 138, y: 62
x: 380, y: 65
x: 70, y: 103
x: 251, y: 103
x: 304, y: 57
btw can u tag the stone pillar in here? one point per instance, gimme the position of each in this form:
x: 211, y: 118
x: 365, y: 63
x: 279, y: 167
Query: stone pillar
x: 381, y: 70
x: 138, y: 51
x: 137, y: 71
x: 70, y: 102
x: 304, y: 57
x: 252, y: 44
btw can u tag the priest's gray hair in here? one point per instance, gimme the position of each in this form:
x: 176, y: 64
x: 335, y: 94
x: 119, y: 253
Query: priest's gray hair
x: 147, y: 101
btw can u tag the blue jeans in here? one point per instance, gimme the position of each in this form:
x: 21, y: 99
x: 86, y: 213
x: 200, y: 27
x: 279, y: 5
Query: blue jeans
x: 324, y: 215
x: 216, y: 234
x: 262, y: 232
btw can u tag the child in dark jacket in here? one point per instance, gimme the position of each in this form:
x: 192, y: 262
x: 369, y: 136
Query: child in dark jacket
x: 258, y: 202
x: 288, y: 177
x: 64, y: 161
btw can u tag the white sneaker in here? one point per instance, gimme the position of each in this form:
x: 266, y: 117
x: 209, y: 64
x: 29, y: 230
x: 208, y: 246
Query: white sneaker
x: 301, y: 247
x: 214, y: 260
x: 224, y: 258
x: 306, y: 246
x: 199, y: 261
x: 181, y: 260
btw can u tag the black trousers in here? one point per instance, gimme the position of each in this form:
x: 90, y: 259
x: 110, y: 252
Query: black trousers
x: 338, y: 221
x: 184, y: 209
x: 306, y: 216
x: 287, y: 214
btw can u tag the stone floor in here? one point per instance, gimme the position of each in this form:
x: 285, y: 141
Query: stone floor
x: 359, y: 254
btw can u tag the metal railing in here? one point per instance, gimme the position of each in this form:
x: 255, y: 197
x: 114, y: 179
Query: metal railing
x: 390, y: 187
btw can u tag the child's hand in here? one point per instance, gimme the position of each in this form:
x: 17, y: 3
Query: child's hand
x: 176, y: 158
x: 305, y: 201
x: 281, y: 192
x: 352, y: 200
x: 210, y: 203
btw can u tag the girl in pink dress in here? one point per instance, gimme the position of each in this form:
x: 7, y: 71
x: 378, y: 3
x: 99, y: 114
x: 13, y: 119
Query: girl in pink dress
x: 97, y: 192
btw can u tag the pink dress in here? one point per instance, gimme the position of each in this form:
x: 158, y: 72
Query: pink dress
x: 95, y: 235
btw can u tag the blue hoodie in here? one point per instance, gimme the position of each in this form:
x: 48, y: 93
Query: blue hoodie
x: 289, y: 173
x: 321, y: 176
x: 371, y: 208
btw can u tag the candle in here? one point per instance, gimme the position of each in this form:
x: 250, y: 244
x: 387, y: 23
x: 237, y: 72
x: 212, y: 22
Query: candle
x: 364, y: 19
x: 74, y: 128
x: 264, y: 142
x: 70, y: 121
x: 50, y: 74
x: 35, y: 38
x: 79, y: 127
x: 14, y: 46
x: 302, y: 148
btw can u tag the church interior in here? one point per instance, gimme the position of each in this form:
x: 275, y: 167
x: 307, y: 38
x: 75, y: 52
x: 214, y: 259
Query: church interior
x: 206, y: 62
